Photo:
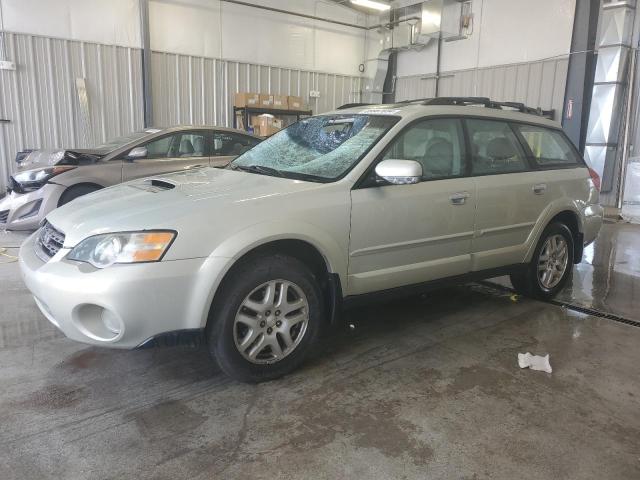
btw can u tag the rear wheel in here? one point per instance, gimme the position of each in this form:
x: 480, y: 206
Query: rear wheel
x: 551, y: 265
x: 268, y: 320
x: 76, y: 191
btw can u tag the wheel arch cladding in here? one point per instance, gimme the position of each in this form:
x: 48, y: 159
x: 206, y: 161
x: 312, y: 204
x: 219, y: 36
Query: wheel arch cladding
x: 302, y: 251
x: 571, y: 220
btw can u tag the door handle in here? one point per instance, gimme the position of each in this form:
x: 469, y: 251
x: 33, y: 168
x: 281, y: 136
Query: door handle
x: 459, y: 198
x: 540, y: 188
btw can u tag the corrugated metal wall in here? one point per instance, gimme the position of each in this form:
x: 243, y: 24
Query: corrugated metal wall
x: 537, y: 84
x: 41, y: 100
x: 200, y: 90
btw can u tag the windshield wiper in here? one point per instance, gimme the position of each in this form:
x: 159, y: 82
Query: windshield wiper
x: 258, y: 169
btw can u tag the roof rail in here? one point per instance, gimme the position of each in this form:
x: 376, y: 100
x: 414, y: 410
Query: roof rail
x: 487, y: 103
x: 351, y: 105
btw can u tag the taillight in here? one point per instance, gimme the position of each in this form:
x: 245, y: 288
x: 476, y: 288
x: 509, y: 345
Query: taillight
x: 595, y: 177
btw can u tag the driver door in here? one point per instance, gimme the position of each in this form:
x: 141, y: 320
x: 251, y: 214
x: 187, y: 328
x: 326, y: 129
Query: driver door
x: 169, y: 153
x: 409, y: 234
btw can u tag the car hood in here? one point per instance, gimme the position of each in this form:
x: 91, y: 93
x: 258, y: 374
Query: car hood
x: 47, y: 158
x: 170, y: 201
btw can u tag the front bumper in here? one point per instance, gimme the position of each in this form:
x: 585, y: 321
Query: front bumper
x: 121, y: 306
x: 33, y: 206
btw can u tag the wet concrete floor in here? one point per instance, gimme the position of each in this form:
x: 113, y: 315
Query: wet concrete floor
x: 421, y: 388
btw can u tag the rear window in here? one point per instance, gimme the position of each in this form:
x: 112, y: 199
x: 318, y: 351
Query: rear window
x: 549, y: 147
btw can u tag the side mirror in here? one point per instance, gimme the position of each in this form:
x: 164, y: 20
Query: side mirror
x: 138, y: 152
x: 400, y: 172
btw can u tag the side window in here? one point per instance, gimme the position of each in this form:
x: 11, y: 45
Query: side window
x: 160, y: 148
x: 494, y: 148
x: 548, y: 146
x: 232, y: 144
x: 436, y: 144
x: 191, y: 145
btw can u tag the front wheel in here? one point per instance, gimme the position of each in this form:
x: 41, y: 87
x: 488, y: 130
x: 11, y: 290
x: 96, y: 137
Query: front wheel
x: 551, y: 265
x: 268, y: 318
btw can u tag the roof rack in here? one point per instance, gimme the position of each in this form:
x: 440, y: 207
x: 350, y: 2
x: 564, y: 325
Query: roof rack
x: 351, y: 105
x: 487, y: 103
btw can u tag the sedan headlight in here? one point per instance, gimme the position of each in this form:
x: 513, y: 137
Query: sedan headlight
x: 31, y: 180
x: 102, y: 251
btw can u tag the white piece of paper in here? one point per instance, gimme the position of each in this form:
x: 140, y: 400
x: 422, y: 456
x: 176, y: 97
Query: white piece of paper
x: 534, y: 362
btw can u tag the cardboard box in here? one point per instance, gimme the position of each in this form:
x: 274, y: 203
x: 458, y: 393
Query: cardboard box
x: 243, y: 99
x: 281, y: 102
x: 266, y: 101
x: 267, y: 125
x: 296, y: 103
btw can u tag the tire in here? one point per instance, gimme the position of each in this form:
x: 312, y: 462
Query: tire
x: 76, y: 191
x: 545, y: 284
x: 243, y: 326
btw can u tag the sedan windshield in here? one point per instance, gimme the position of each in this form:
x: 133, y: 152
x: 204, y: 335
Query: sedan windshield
x: 118, y: 142
x: 321, y: 148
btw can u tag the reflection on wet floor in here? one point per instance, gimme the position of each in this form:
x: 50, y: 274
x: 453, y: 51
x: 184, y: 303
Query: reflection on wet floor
x: 608, y: 279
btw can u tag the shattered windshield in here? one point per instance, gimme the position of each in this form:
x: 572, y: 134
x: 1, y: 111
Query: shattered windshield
x: 321, y: 148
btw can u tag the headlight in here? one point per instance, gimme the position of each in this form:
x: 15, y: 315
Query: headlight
x: 31, y: 180
x: 102, y: 251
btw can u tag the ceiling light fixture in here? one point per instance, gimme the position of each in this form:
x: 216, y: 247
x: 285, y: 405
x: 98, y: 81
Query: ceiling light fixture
x: 375, y: 4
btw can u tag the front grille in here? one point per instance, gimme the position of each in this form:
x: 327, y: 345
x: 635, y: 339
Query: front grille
x: 4, y: 215
x: 48, y: 242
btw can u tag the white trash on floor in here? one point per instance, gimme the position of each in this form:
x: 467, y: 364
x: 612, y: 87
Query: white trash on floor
x: 534, y: 362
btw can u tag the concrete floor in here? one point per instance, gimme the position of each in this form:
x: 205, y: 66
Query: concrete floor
x: 427, y: 388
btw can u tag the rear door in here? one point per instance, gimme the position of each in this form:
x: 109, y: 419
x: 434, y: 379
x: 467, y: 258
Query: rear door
x: 229, y: 145
x: 169, y: 153
x: 408, y: 234
x: 512, y: 194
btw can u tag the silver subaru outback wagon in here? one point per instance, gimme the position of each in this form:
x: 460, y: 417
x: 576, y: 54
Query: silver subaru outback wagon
x: 339, y: 208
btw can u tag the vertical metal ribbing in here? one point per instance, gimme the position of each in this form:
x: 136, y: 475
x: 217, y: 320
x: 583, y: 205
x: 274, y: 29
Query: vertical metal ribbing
x: 132, y: 102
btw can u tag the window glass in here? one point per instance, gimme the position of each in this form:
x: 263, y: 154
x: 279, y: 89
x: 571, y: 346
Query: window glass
x: 548, y: 147
x: 320, y: 148
x: 191, y: 145
x: 179, y: 145
x: 160, y: 148
x: 232, y: 144
x: 435, y: 144
x: 494, y: 148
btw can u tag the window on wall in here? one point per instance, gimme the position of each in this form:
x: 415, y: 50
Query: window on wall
x: 548, y: 147
x: 494, y: 148
x: 435, y: 144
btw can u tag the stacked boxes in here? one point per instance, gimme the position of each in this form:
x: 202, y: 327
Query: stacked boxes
x: 266, y: 124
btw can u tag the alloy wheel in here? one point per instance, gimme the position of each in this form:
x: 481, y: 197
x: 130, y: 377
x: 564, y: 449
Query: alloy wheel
x: 271, y: 322
x: 553, y: 261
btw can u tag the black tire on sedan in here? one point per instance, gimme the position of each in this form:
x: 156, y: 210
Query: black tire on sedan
x: 267, y: 317
x: 551, y: 265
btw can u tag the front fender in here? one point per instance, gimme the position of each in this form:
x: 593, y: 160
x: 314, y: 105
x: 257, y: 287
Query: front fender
x: 225, y: 255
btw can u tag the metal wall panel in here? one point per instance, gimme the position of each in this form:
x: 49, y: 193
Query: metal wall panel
x: 41, y: 101
x: 200, y: 90
x: 537, y: 84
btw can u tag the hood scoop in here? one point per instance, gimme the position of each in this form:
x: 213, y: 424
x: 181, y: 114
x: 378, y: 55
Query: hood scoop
x: 155, y: 185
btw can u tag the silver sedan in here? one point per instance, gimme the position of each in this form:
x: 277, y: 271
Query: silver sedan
x: 47, y: 179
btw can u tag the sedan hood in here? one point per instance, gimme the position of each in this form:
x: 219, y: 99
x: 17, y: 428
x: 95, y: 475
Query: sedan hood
x: 47, y: 158
x: 169, y: 201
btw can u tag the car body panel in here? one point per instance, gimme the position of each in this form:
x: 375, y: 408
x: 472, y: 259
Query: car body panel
x: 404, y: 234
